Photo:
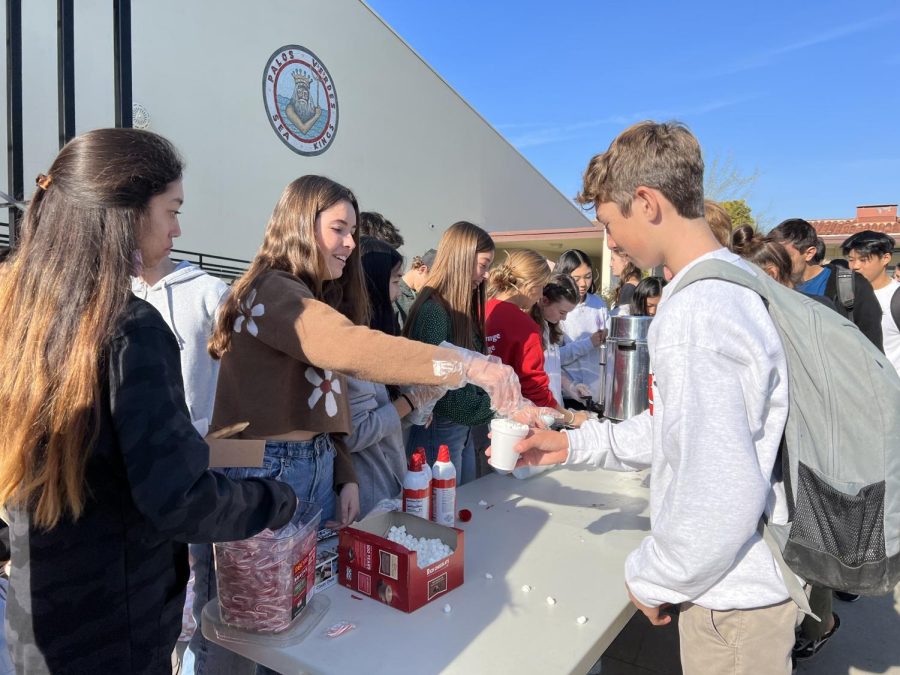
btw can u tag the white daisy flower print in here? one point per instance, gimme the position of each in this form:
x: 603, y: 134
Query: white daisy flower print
x: 325, y: 387
x: 248, y: 312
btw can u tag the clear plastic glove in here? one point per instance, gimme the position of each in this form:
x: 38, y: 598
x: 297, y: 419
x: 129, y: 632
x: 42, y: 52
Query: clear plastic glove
x: 421, y: 416
x: 535, y: 417
x: 458, y: 367
x: 423, y: 395
x: 423, y: 398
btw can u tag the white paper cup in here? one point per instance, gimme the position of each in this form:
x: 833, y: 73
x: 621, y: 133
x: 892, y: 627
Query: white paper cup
x: 504, y: 436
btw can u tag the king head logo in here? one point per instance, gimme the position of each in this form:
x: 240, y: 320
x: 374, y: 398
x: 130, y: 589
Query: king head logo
x: 301, y: 80
x: 301, y: 100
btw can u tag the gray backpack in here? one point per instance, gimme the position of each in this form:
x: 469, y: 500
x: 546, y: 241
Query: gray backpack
x: 840, y: 454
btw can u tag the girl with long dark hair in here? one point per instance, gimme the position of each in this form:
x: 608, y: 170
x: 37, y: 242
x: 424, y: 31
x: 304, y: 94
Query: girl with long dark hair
x: 646, y: 296
x: 584, y: 329
x: 376, y: 444
x: 103, y: 476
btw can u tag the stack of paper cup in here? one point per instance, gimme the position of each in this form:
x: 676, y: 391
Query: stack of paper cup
x: 504, y: 436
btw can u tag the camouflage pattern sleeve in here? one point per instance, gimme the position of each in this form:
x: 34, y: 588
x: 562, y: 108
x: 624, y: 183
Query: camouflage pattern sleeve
x: 166, y: 460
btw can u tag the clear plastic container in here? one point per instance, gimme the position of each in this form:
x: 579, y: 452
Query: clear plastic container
x: 214, y: 628
x: 266, y: 581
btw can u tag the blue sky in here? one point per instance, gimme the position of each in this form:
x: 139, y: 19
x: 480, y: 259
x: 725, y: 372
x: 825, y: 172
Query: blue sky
x: 807, y: 94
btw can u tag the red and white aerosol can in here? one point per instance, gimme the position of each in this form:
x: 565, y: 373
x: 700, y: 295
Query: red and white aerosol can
x: 416, y: 488
x: 443, y: 489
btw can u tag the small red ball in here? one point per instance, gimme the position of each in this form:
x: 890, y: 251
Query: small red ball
x: 465, y: 515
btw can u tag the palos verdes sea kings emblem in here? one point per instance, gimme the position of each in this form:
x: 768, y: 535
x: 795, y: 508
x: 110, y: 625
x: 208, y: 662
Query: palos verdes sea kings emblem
x: 301, y: 100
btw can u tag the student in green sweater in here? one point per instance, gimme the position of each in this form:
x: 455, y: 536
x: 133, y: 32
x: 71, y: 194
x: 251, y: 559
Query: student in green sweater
x: 450, y: 308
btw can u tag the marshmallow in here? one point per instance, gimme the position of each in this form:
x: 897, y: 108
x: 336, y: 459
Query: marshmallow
x: 428, y: 551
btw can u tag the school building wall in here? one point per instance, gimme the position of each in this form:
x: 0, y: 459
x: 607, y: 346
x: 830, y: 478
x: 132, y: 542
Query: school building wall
x: 406, y: 142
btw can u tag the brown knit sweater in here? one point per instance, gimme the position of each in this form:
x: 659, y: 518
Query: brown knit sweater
x: 283, y: 371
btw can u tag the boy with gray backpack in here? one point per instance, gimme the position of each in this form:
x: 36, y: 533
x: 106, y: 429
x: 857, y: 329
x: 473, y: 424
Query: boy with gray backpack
x: 750, y: 437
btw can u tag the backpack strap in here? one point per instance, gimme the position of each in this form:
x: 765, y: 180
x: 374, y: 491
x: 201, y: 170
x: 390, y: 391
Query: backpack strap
x: 791, y: 581
x: 895, y: 307
x: 725, y: 271
x: 844, y: 281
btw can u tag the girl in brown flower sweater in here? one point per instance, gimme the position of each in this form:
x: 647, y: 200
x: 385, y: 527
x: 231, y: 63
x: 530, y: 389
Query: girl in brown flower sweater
x: 285, y: 343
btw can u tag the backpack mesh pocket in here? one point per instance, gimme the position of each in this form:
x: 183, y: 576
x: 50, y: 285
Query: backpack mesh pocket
x: 848, y: 527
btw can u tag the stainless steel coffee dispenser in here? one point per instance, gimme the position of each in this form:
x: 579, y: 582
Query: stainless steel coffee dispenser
x: 627, y: 367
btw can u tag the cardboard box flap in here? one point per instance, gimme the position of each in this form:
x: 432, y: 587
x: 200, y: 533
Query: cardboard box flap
x: 236, y: 452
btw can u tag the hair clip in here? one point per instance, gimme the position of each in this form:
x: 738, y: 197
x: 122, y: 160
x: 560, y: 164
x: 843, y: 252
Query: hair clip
x: 43, y: 181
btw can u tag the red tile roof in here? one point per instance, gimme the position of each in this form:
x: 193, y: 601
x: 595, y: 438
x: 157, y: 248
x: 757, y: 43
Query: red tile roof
x: 848, y: 226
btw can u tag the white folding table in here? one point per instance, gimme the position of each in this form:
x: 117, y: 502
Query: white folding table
x: 565, y: 533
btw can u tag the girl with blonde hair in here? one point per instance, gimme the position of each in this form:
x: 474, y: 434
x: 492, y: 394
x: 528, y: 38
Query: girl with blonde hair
x: 515, y: 286
x: 450, y: 308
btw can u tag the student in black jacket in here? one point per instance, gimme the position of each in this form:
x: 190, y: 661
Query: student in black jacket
x: 856, y: 300
x: 103, y: 477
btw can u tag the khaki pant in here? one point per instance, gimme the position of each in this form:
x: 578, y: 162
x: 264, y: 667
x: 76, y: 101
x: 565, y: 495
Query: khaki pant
x: 737, y: 642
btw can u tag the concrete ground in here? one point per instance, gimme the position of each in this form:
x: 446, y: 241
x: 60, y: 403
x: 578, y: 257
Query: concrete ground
x: 868, y: 642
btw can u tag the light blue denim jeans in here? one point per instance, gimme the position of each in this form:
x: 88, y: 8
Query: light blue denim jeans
x: 308, y: 467
x: 457, y: 437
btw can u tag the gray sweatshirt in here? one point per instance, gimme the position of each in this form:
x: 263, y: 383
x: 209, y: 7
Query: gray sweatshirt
x: 188, y: 299
x: 720, y: 399
x: 376, y: 444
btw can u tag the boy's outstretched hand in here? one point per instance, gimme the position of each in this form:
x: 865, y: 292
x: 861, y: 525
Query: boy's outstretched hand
x: 541, y: 447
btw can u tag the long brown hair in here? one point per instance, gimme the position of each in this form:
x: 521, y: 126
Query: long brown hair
x: 289, y: 245
x: 450, y: 283
x: 61, y: 295
x: 630, y: 271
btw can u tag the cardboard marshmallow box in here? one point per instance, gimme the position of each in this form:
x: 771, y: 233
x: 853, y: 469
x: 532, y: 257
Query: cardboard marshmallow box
x: 372, y: 565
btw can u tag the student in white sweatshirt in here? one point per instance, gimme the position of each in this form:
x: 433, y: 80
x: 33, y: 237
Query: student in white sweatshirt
x: 188, y: 299
x: 720, y: 405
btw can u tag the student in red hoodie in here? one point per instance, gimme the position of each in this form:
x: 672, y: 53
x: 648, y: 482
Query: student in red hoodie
x: 514, y: 287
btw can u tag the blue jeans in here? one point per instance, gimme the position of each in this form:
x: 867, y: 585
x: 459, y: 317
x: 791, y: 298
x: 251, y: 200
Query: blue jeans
x: 457, y: 437
x: 308, y: 467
